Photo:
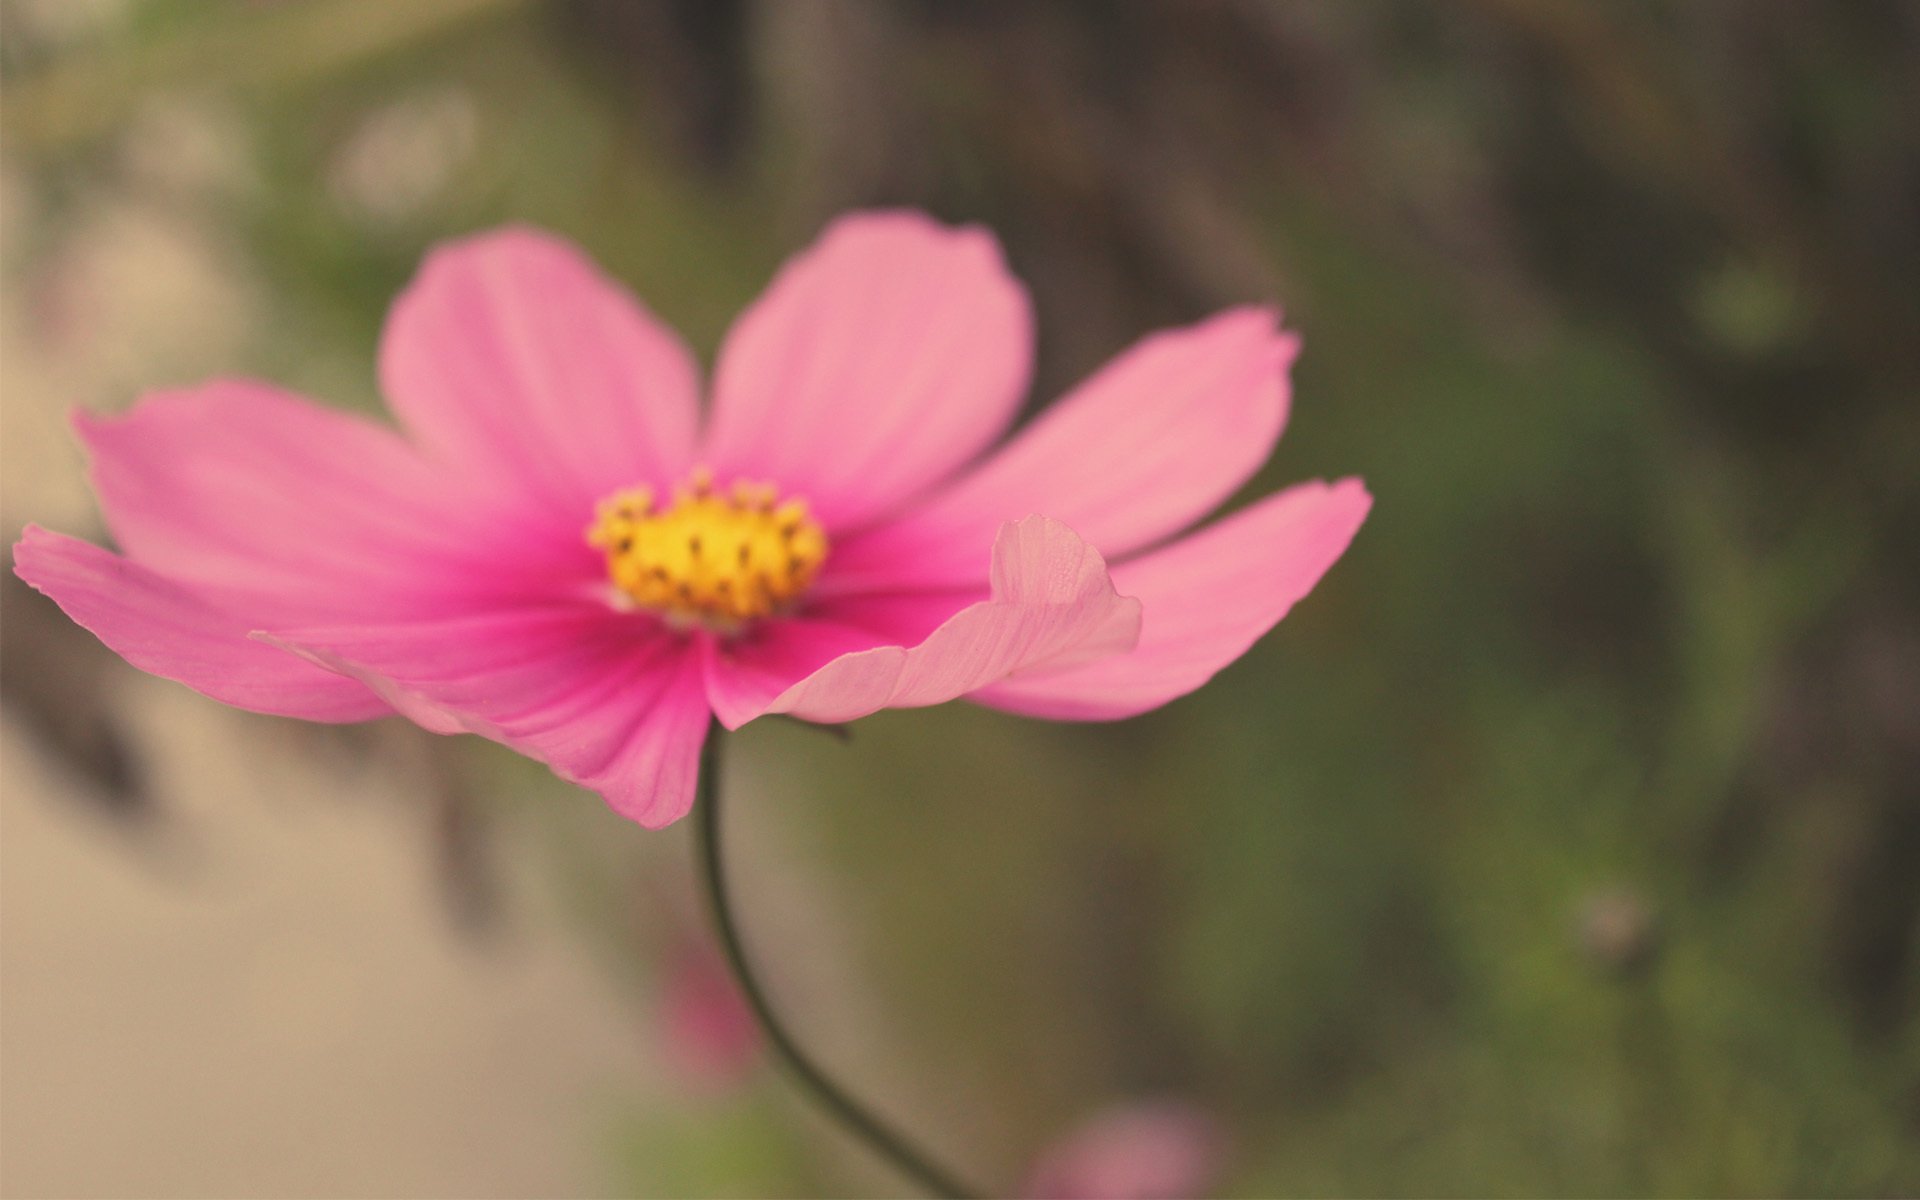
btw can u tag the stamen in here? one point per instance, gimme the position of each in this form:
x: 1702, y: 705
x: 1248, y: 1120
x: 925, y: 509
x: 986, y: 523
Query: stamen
x: 719, y: 559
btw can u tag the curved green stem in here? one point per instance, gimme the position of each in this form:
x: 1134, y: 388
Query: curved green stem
x: 883, y: 1138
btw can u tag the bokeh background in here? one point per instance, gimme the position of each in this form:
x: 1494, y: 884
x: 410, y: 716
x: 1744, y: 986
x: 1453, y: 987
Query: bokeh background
x: 1566, y: 841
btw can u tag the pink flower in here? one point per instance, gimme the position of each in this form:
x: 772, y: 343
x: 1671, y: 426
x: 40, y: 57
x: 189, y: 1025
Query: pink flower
x: 708, y: 1033
x: 557, y: 552
x: 1150, y: 1150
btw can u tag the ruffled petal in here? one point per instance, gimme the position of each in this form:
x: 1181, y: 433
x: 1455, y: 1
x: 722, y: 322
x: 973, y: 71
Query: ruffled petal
x: 183, y: 634
x: 315, y: 514
x: 1052, y: 604
x: 513, y: 357
x: 1145, y: 447
x: 876, y: 363
x: 1206, y: 599
x: 610, y: 701
x: 744, y: 675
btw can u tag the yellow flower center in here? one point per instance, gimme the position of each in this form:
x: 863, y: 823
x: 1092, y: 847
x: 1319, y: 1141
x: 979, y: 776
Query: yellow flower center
x: 710, y: 558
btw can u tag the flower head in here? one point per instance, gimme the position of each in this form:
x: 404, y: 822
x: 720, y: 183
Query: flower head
x: 708, y: 1035
x: 1144, y: 1150
x: 556, y: 550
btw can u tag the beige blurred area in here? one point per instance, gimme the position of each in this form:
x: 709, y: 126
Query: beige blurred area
x: 266, y: 998
x: 228, y: 963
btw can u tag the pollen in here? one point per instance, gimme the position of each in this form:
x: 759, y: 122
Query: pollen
x: 718, y: 559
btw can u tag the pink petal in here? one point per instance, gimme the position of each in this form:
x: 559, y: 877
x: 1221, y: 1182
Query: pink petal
x: 1148, y: 445
x: 315, y: 514
x: 1052, y: 604
x: 746, y: 674
x: 875, y: 364
x: 183, y: 634
x: 1150, y: 1150
x: 513, y: 357
x: 610, y: 701
x: 1205, y: 599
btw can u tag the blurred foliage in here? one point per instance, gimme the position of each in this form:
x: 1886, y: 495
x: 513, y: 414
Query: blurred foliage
x: 1565, y: 841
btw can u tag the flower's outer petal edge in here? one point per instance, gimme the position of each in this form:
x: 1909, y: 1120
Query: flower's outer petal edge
x: 1052, y: 603
x: 512, y: 358
x: 610, y: 702
x: 182, y: 634
x: 1207, y: 598
x: 1143, y: 448
x: 878, y: 361
x: 313, y: 514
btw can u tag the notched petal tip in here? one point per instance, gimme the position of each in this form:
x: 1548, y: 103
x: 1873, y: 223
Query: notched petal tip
x: 1262, y: 318
x: 1351, y: 491
x: 514, y: 247
x: 509, y: 237
x: 907, y: 222
x: 908, y: 235
x: 92, y: 427
x: 32, y: 538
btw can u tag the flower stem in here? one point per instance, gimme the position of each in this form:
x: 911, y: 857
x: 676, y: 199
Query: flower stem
x: 881, y: 1137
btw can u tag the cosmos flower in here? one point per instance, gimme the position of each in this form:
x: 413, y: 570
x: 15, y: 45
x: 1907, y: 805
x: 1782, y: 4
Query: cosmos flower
x: 707, y: 1032
x: 1144, y: 1150
x: 557, y: 551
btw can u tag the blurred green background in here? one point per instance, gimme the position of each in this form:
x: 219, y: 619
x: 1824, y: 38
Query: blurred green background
x: 1566, y: 841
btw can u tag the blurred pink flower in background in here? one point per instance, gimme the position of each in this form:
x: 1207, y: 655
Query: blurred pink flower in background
x: 1147, y: 1150
x: 707, y: 1032
x: 559, y: 553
